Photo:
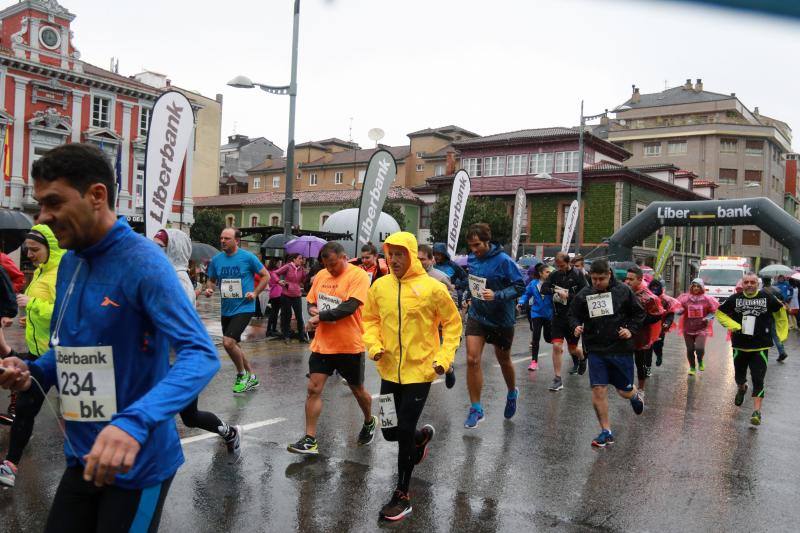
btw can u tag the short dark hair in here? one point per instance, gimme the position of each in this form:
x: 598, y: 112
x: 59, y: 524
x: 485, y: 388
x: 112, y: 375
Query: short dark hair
x: 81, y: 165
x: 329, y: 248
x: 562, y: 256
x: 291, y: 257
x: 425, y: 249
x: 369, y: 247
x: 766, y: 281
x: 273, y: 263
x: 481, y: 231
x: 599, y: 266
x: 576, y: 259
x: 636, y: 271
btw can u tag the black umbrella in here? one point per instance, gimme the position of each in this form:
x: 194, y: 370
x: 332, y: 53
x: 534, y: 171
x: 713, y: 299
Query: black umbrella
x: 202, y: 252
x: 13, y: 227
x: 273, y: 246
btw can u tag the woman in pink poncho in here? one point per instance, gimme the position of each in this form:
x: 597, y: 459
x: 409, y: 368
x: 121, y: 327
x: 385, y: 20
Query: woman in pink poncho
x: 698, y: 316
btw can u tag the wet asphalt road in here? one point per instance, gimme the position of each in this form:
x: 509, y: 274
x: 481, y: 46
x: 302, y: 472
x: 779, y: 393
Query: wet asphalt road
x: 691, y: 462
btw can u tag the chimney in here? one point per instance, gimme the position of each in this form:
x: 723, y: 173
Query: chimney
x: 450, y: 163
x: 169, y: 82
x: 635, y: 97
x: 688, y: 85
x: 698, y: 85
x: 755, y: 111
x: 219, y: 98
x: 604, y: 119
x: 733, y: 94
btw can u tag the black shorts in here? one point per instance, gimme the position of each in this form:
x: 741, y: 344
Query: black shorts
x: 560, y: 332
x: 500, y: 337
x: 349, y: 365
x: 233, y: 326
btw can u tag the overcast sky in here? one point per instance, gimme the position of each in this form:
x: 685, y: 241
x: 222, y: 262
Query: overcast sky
x: 404, y: 65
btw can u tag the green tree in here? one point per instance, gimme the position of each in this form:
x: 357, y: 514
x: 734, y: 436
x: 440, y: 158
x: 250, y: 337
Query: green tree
x: 208, y: 224
x: 492, y: 211
x: 391, y: 209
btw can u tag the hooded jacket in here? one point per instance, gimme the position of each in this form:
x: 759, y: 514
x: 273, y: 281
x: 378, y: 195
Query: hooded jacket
x: 541, y: 306
x: 121, y: 295
x: 42, y: 294
x: 402, y: 317
x: 179, y: 250
x: 504, y: 278
x: 601, y: 334
x: 456, y: 274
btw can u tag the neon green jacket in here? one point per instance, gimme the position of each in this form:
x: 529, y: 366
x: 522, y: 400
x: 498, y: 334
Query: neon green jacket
x: 42, y: 294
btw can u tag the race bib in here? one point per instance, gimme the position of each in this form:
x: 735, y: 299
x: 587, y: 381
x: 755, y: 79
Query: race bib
x: 86, y: 383
x: 386, y: 411
x: 476, y: 285
x: 748, y: 324
x: 696, y: 311
x: 231, y: 288
x: 600, y: 304
x: 326, y: 302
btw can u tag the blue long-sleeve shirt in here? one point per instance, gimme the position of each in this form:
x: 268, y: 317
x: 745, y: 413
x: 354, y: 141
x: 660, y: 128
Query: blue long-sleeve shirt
x: 121, y: 296
x: 541, y: 306
x: 503, y: 277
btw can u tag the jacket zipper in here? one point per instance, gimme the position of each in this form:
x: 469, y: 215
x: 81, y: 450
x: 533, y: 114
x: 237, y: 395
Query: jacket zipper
x: 399, y: 330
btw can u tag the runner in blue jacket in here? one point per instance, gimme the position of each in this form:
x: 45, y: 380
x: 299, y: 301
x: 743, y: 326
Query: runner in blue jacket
x: 495, y: 283
x: 540, y: 311
x: 119, y: 308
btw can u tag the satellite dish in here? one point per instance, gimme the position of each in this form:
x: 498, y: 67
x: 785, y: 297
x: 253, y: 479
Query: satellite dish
x: 376, y: 134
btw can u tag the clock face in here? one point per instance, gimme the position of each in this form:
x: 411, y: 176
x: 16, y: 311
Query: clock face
x: 49, y: 37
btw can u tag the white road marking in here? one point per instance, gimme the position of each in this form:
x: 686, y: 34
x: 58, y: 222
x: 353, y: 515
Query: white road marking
x: 245, y: 427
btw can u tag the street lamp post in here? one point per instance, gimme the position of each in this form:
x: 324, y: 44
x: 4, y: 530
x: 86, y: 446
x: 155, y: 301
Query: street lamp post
x: 243, y: 82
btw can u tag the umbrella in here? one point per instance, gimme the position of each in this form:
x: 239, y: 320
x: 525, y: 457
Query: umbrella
x: 796, y: 276
x: 13, y: 227
x: 771, y: 271
x: 307, y: 246
x: 461, y: 260
x: 273, y: 246
x: 202, y: 252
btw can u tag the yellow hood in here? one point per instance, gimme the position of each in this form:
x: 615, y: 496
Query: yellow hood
x: 402, y: 318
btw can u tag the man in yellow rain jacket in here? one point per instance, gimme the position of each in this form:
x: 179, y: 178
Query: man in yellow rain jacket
x: 401, y: 318
x: 38, y: 301
x: 750, y: 316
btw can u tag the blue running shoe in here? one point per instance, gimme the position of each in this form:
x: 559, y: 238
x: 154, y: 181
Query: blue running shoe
x: 637, y: 402
x: 473, y: 418
x: 511, y: 404
x: 603, y: 439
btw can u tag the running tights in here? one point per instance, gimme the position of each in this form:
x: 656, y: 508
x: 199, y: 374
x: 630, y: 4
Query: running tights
x: 695, y: 344
x: 29, y: 403
x: 644, y: 360
x: 757, y: 363
x: 79, y: 506
x: 539, y: 325
x: 409, y: 400
x: 194, y: 418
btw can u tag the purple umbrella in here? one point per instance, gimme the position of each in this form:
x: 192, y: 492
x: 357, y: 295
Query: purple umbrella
x: 461, y: 260
x: 307, y: 246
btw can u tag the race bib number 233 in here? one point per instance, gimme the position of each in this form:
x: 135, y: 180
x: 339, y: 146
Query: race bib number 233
x: 86, y: 383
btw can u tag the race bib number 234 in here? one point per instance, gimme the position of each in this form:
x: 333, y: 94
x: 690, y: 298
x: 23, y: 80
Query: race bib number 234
x: 86, y: 383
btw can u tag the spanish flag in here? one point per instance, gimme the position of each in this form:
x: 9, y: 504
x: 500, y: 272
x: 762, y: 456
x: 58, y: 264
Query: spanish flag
x: 6, y: 158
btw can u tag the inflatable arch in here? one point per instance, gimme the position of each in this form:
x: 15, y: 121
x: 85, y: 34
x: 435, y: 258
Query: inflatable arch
x: 761, y: 212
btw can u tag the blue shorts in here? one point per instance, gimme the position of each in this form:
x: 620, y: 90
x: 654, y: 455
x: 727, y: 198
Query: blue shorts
x: 612, y: 369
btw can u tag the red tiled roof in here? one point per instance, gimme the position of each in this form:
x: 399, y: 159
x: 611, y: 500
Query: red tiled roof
x: 704, y: 183
x: 323, y: 197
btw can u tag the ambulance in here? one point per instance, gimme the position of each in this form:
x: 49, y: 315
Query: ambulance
x: 721, y: 274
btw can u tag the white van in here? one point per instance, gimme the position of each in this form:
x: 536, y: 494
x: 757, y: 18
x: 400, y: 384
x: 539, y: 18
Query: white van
x: 721, y: 274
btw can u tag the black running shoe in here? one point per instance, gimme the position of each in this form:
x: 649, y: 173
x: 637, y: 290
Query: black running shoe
x: 782, y: 357
x: 582, y: 367
x: 307, y: 446
x: 367, y: 433
x: 659, y: 359
x: 398, y: 507
x: 739, y: 400
x: 422, y: 448
x: 450, y: 379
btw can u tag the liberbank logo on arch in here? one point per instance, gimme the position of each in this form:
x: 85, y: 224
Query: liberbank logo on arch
x: 722, y: 212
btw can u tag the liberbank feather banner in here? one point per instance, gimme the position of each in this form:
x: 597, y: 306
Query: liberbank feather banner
x: 519, y: 220
x: 569, y: 226
x: 381, y: 171
x: 458, y: 205
x: 171, y: 124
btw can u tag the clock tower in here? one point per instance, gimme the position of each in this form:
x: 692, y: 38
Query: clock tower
x: 38, y: 30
